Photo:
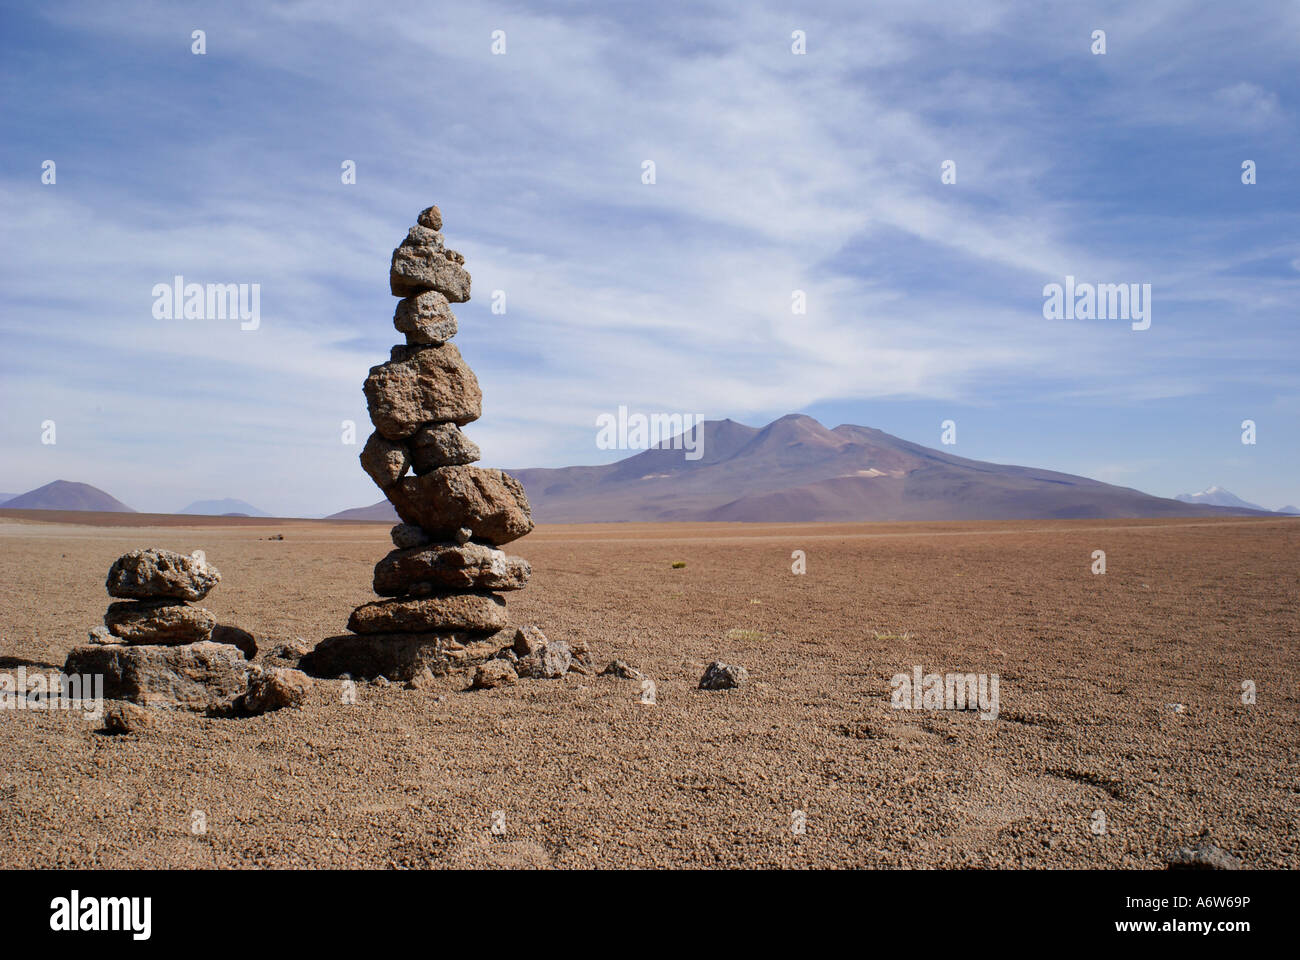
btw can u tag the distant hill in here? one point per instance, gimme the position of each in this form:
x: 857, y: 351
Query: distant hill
x: 1219, y: 497
x: 64, y: 495
x: 380, y: 512
x: 224, y: 508
x: 795, y: 469
x: 6, y: 496
x: 1289, y: 509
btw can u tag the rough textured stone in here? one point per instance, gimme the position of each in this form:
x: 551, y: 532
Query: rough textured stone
x: 419, y: 266
x: 441, y: 445
x: 123, y: 717
x: 539, y: 657
x: 275, y: 689
x: 286, y: 653
x: 490, y: 503
x: 430, y: 217
x: 101, y: 634
x: 236, y: 637
x: 398, y: 656
x: 1204, y: 857
x: 155, y: 574
x: 408, y: 535
x: 385, y: 460
x: 425, y: 318
x: 494, y: 673
x: 159, y: 621
x: 723, y: 676
x: 466, y: 567
x: 431, y: 383
x: 619, y: 668
x: 199, y: 676
x: 453, y: 611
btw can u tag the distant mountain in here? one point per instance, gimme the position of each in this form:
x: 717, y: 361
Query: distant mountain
x: 224, y: 508
x: 1219, y: 497
x: 1289, y: 509
x: 63, y: 495
x: 795, y: 469
x: 381, y: 511
x: 6, y: 496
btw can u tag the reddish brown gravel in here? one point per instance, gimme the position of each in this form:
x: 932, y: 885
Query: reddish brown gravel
x: 578, y: 772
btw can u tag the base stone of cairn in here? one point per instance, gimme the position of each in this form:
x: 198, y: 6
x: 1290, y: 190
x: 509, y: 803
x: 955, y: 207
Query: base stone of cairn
x: 442, y: 608
x: 157, y: 650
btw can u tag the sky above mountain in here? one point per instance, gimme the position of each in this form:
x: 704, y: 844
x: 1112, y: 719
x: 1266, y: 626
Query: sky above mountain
x: 774, y: 172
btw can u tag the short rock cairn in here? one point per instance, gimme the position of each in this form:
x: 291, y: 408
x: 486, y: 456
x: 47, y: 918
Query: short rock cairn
x: 157, y: 649
x: 443, y: 608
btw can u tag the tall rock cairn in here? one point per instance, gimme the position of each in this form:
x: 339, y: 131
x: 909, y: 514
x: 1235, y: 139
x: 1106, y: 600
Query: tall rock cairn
x: 443, y: 582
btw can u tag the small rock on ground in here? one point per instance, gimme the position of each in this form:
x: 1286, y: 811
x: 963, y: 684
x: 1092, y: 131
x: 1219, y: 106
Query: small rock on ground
x: 723, y: 676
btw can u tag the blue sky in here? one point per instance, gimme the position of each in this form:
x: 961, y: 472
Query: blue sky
x: 774, y: 172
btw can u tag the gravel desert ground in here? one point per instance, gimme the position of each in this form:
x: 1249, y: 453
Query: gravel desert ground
x: 1121, y: 733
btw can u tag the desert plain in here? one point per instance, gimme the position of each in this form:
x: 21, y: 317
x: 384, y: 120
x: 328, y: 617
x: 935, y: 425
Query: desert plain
x: 1122, y: 732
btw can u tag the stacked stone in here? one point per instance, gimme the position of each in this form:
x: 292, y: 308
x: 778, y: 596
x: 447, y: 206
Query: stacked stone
x: 442, y: 583
x: 157, y: 648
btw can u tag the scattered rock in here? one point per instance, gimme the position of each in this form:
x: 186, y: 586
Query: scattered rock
x: 159, y: 621
x: 723, y: 676
x: 539, y: 657
x: 494, y: 673
x: 275, y: 689
x: 154, y: 574
x: 123, y: 717
x: 618, y: 668
x: 1204, y: 857
x: 288, y: 653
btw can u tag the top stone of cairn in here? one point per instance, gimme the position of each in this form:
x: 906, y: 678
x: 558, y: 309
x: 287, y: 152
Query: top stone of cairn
x: 161, y: 574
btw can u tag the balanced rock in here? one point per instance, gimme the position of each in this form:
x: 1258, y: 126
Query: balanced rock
x: 430, y: 217
x: 441, y: 445
x: 425, y: 318
x: 431, y: 383
x: 197, y: 676
x: 154, y: 574
x: 489, y: 502
x: 441, y: 613
x: 422, y: 263
x: 408, y: 535
x: 467, y: 566
x: 385, y: 460
x: 452, y: 611
x: 159, y: 621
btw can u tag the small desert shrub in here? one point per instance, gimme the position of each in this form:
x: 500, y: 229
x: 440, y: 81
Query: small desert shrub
x: 678, y: 564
